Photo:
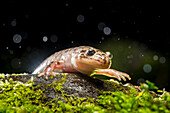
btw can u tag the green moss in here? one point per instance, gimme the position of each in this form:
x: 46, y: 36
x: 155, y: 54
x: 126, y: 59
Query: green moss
x: 18, y: 97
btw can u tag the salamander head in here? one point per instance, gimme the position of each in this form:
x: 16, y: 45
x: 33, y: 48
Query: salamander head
x: 86, y: 59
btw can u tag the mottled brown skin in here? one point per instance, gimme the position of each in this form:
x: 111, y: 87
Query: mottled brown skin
x: 82, y: 59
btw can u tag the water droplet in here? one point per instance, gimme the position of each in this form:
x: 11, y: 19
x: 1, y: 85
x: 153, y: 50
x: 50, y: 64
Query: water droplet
x: 155, y: 57
x: 107, y: 30
x: 80, y: 18
x: 19, y: 46
x: 7, y: 47
x: 118, y: 38
x: 162, y: 60
x: 66, y: 4
x: 13, y: 23
x: 45, y: 38
x: 101, y: 26
x: 17, y: 38
x: 100, y: 42
x: 147, y: 68
x: 72, y: 42
x: 53, y: 38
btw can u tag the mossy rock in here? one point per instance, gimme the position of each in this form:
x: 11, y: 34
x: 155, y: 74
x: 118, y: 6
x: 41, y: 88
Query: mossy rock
x: 72, y: 84
x: 77, y: 93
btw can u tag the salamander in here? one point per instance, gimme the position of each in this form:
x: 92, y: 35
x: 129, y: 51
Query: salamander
x: 82, y: 59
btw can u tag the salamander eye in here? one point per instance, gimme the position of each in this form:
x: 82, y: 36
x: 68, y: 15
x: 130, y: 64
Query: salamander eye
x: 91, y: 52
x: 111, y: 56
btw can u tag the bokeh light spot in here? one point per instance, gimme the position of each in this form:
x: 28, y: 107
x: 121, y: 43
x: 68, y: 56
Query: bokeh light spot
x: 53, y: 38
x: 80, y: 18
x: 13, y: 23
x: 155, y: 57
x: 17, y: 38
x: 16, y: 63
x: 107, y: 30
x: 162, y: 60
x: 147, y: 68
x: 101, y: 26
x: 45, y: 38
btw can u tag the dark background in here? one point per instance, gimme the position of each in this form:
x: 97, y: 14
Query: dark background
x: 132, y: 20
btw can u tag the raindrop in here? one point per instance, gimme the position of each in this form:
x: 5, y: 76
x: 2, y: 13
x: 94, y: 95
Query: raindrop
x: 13, y: 23
x: 17, y: 38
x: 147, y: 68
x: 107, y: 30
x: 66, y: 4
x: 155, y: 57
x: 101, y: 26
x: 45, y: 38
x: 7, y: 47
x: 53, y: 38
x: 80, y: 18
x: 129, y: 46
x: 72, y: 42
x: 162, y: 60
x: 118, y: 38
x: 16, y: 63
x: 19, y: 46
x: 100, y: 42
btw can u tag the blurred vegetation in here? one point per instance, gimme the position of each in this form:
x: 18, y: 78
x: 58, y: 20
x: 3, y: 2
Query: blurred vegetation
x: 130, y: 56
x: 18, y: 97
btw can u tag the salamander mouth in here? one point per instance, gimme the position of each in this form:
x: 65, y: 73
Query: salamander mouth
x: 87, y: 67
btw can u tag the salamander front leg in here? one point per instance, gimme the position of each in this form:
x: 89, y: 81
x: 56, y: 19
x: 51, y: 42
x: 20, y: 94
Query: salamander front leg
x: 55, y: 66
x: 111, y: 73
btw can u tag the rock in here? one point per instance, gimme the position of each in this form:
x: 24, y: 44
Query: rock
x: 71, y: 84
